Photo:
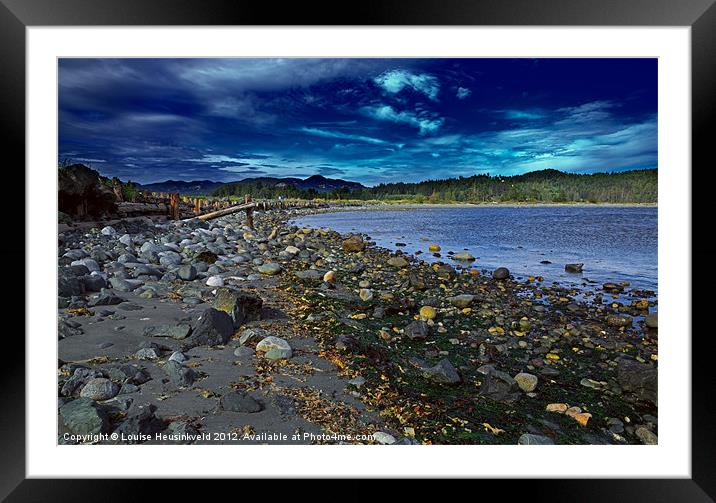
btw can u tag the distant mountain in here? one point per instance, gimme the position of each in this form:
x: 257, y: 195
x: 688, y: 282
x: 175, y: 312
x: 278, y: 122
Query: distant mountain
x: 206, y: 187
x: 269, y: 187
x: 193, y: 188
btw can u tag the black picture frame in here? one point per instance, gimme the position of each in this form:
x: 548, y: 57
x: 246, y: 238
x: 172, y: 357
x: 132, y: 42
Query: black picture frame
x: 700, y: 15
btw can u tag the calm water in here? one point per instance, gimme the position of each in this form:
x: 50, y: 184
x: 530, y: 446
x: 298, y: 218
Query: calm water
x: 614, y: 243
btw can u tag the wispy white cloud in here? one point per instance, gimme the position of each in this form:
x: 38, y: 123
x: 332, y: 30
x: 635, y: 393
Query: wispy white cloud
x: 324, y: 133
x: 463, y: 92
x: 425, y: 122
x: 394, y: 81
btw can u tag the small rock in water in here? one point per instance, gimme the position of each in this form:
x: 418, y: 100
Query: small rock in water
x: 434, y: 248
x: 274, y: 348
x: 573, y: 267
x: 463, y: 256
x: 652, y: 320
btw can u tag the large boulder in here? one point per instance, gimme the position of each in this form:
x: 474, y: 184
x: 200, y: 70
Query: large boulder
x: 240, y: 305
x: 641, y: 379
x: 84, y: 417
x: 81, y: 193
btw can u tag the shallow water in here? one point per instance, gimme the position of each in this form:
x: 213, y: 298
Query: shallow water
x: 614, y: 243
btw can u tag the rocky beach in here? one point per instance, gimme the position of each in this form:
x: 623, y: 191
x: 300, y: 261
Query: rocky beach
x: 211, y: 332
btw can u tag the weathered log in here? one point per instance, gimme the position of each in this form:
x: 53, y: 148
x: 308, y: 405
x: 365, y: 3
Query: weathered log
x: 226, y: 211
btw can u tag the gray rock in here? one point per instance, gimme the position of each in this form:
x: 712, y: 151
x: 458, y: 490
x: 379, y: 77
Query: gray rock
x: 99, y: 389
x: 384, y: 438
x: 638, y: 378
x: 108, y: 231
x: 93, y: 283
x: 178, y: 356
x: 187, y: 272
x: 242, y: 306
x: 652, y: 320
x: 310, y: 275
x: 239, y: 401
x: 147, y: 354
x: 79, y: 378
x: 497, y: 385
x: 67, y: 283
x: 183, y: 432
x: 443, y: 373
x: 106, y: 298
x: 213, y: 328
x: 532, y: 439
x: 215, y: 281
x: 180, y: 375
x: 84, y: 417
x: 122, y: 285
x: 461, y: 301
x: 270, y: 269
x: 140, y: 422
x: 251, y: 335
x: 243, y: 352
x: 181, y: 331
x: 417, y: 329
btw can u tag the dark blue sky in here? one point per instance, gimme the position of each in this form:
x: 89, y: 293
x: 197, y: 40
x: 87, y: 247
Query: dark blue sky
x: 368, y: 120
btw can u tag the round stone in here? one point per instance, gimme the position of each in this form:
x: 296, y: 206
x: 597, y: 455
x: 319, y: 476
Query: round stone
x: 99, y: 388
x: 274, y: 348
x: 526, y: 382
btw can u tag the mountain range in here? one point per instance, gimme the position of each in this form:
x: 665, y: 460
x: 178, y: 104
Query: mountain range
x: 206, y: 187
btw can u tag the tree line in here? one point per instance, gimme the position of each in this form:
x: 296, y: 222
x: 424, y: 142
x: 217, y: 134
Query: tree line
x: 547, y: 186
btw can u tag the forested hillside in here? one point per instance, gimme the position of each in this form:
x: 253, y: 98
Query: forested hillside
x: 548, y: 186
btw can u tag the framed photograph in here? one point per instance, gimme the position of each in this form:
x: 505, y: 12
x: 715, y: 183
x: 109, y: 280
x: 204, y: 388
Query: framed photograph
x: 450, y: 241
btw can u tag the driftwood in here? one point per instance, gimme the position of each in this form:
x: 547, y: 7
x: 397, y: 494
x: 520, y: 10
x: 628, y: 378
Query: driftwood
x: 226, y: 211
x: 126, y: 208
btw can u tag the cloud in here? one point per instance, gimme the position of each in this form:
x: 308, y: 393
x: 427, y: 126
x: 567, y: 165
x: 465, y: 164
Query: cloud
x: 522, y: 114
x: 424, y: 121
x: 394, y: 81
x: 463, y: 92
x: 323, y: 133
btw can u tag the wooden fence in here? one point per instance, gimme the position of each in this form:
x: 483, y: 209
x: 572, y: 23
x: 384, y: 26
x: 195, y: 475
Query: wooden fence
x: 178, y: 207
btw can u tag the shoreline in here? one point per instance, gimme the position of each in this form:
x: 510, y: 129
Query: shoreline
x: 398, y: 332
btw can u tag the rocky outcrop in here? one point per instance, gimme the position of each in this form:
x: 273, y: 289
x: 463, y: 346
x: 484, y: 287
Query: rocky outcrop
x: 81, y: 193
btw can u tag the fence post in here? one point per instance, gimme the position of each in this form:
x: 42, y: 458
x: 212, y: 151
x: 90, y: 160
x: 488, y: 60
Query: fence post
x: 174, y: 205
x: 249, y: 212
